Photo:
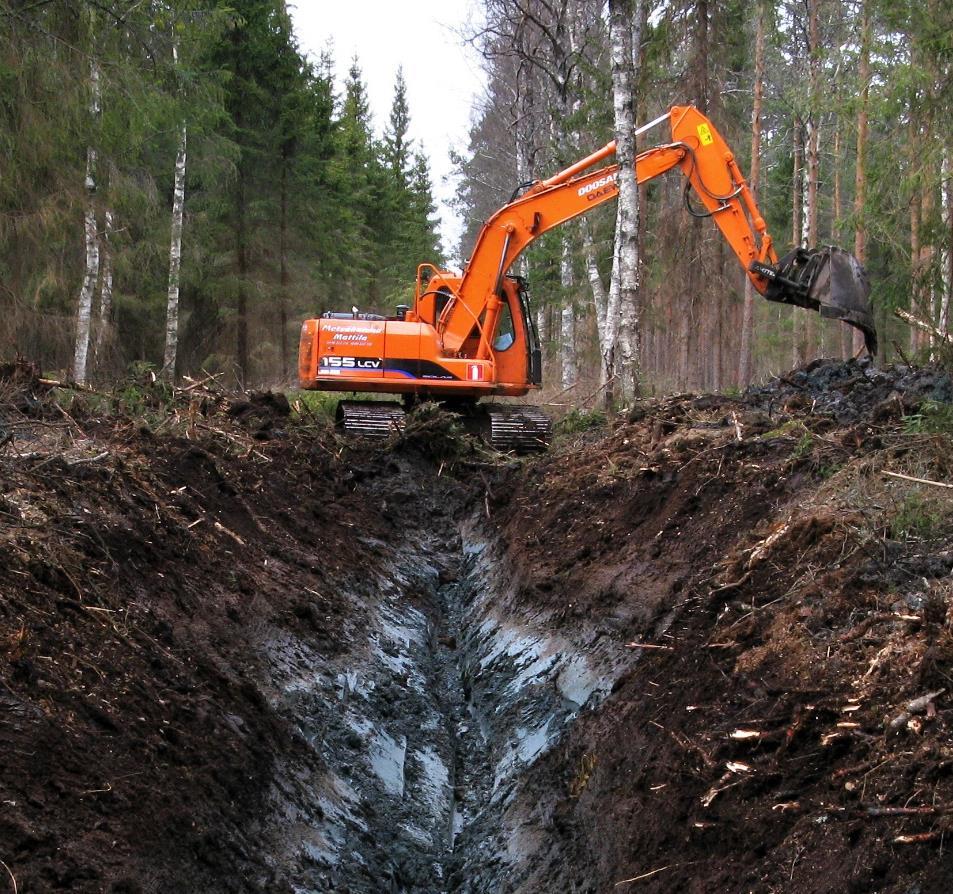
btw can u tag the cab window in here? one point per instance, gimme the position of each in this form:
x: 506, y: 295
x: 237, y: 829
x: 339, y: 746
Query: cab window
x: 505, y: 333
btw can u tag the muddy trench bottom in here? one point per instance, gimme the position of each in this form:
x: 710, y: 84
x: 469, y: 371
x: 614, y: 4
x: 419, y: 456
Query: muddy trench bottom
x: 428, y: 729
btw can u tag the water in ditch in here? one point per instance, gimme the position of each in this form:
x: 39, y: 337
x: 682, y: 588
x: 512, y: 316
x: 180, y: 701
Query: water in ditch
x: 427, y: 727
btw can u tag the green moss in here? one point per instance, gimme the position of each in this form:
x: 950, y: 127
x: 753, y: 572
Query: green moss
x: 577, y: 420
x: 919, y: 518
x: 804, y: 446
x: 933, y: 418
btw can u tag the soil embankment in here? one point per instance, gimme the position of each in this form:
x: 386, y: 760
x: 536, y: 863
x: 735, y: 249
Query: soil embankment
x: 709, y: 650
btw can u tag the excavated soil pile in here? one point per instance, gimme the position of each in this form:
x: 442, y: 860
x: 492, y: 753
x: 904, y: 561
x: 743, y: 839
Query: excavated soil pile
x: 786, y: 724
x: 708, y: 650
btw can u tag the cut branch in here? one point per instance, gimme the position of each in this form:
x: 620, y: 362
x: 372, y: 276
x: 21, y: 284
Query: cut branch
x: 917, y: 480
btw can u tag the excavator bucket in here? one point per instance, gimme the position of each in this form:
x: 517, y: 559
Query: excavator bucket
x: 828, y: 280
x: 842, y: 292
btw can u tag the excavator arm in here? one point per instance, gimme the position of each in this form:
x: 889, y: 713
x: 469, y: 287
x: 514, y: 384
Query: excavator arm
x: 827, y: 280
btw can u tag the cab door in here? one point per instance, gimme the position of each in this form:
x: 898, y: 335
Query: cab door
x: 516, y: 343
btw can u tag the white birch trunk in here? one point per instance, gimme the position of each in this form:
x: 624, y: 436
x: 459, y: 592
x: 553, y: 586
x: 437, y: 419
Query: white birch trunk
x: 806, y: 187
x: 523, y: 175
x: 106, y: 281
x: 175, y: 259
x: 860, y: 175
x: 626, y: 267
x: 809, y: 232
x: 523, y: 131
x: 598, y: 289
x: 568, y: 318
x: 91, y: 236
x: 569, y: 140
x: 812, y: 325
x: 610, y: 332
x: 946, y: 267
x: 797, y: 233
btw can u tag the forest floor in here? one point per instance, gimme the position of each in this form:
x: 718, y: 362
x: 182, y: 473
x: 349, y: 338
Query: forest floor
x: 708, y: 648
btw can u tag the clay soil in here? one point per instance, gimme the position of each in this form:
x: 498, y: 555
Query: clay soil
x: 782, y: 721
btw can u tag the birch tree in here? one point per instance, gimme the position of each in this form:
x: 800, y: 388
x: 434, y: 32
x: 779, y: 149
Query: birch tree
x: 90, y: 233
x: 175, y: 244
x: 175, y: 257
x: 552, y: 42
x: 812, y: 169
x: 797, y: 230
x: 600, y: 299
x: 946, y: 265
x: 106, y: 284
x: 567, y: 327
x: 623, y: 309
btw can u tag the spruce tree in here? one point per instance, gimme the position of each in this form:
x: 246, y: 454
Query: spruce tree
x: 396, y: 146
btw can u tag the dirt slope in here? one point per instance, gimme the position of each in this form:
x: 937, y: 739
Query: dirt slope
x: 796, y: 597
x: 140, y: 574
x: 793, y: 599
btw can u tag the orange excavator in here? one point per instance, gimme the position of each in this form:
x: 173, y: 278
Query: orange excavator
x: 473, y: 335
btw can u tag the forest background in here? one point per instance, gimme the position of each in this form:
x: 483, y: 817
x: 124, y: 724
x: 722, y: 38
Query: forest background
x: 181, y: 185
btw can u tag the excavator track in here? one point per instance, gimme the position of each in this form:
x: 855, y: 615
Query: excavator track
x: 517, y: 429
x: 370, y: 418
x: 521, y: 429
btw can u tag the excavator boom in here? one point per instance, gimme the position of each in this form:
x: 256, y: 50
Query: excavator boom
x: 819, y: 279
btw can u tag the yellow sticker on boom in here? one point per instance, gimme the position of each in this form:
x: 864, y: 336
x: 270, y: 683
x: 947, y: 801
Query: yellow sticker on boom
x: 704, y: 135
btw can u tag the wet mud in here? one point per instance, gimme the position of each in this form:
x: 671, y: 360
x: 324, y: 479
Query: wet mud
x: 429, y: 726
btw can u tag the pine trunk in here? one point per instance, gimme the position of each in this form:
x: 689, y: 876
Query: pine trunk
x: 915, y: 218
x: 797, y: 235
x: 932, y: 190
x: 284, y: 276
x: 745, y: 360
x: 860, y: 179
x: 926, y: 290
x: 241, y: 263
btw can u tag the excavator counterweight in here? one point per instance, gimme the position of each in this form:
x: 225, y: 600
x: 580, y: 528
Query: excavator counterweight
x: 472, y: 335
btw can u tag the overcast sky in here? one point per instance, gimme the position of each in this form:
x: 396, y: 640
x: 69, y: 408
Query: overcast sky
x: 443, y: 76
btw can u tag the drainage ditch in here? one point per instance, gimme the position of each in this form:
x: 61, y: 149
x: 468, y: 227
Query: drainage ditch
x: 428, y: 726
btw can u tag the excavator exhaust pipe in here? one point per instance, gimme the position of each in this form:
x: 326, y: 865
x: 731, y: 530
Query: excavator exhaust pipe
x: 828, y: 280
